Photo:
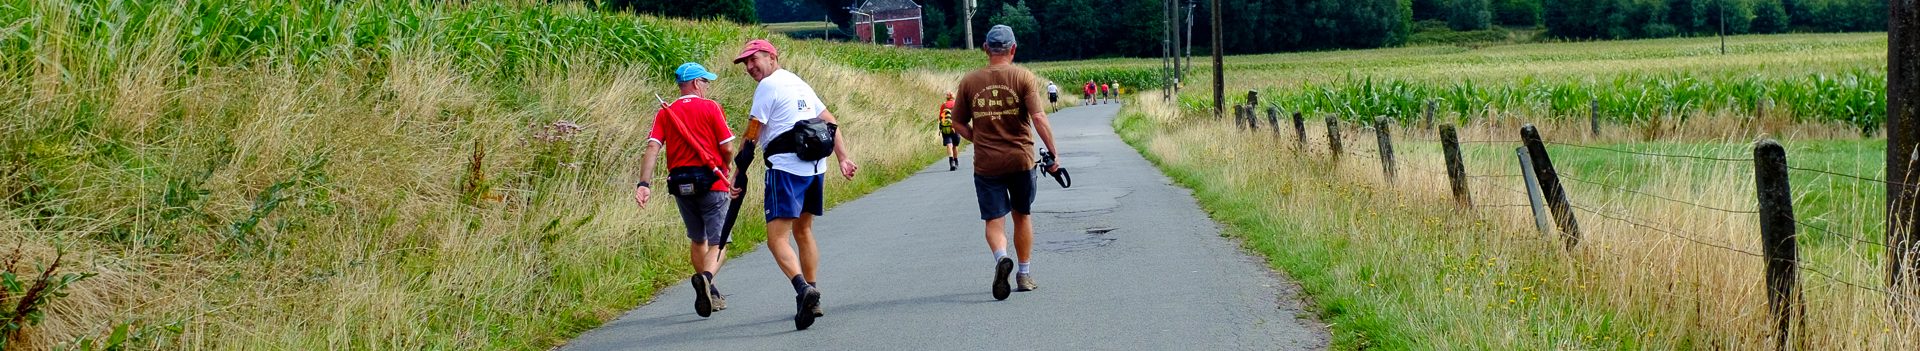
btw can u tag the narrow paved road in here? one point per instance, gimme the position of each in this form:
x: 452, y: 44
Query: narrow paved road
x: 1124, y: 260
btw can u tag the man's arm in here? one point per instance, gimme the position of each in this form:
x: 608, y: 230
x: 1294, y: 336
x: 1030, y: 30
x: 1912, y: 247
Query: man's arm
x: 1045, y: 129
x: 847, y: 166
x: 964, y: 130
x: 752, y: 135
x: 641, y: 193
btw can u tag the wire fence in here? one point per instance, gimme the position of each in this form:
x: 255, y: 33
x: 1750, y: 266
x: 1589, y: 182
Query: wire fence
x: 1492, y: 181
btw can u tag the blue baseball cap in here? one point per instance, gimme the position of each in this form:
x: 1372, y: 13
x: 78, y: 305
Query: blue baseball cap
x: 1000, y: 38
x: 691, y: 71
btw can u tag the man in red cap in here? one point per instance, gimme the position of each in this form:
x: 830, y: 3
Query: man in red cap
x: 795, y: 187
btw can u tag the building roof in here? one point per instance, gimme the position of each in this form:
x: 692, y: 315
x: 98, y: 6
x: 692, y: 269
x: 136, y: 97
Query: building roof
x: 887, y: 5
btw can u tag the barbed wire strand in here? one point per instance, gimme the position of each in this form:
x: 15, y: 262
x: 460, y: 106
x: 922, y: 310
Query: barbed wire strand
x: 1704, y: 158
x: 1838, y: 234
x: 1620, y: 188
x: 1803, y: 266
x: 1869, y: 179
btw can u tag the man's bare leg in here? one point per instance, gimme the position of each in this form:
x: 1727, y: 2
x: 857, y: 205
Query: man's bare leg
x: 997, y: 234
x: 1023, y: 236
x: 809, y: 252
x: 780, y: 243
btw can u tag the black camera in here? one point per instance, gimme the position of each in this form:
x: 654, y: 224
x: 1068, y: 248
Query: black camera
x: 1047, y: 162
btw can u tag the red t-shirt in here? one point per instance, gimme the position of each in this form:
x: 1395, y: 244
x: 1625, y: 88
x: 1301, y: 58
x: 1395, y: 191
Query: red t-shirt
x: 1103, y: 88
x: 706, y: 128
x: 1088, y: 88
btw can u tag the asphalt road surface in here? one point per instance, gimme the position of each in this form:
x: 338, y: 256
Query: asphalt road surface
x: 1123, y: 260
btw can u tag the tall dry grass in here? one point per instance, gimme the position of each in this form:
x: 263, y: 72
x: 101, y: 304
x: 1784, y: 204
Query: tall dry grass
x: 1408, y: 270
x: 400, y: 199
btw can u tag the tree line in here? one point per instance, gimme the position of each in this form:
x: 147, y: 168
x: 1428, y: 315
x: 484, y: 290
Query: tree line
x: 1077, y: 29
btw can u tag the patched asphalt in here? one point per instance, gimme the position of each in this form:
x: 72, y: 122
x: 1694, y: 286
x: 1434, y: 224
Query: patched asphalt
x: 1123, y: 260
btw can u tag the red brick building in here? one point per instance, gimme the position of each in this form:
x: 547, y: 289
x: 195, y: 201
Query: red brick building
x: 899, y: 21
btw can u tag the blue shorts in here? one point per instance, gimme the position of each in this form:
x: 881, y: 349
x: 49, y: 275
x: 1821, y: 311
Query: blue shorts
x: 789, y: 195
x: 1004, y: 193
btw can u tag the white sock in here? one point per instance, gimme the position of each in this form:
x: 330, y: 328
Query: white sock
x: 999, y: 254
x: 1023, y: 267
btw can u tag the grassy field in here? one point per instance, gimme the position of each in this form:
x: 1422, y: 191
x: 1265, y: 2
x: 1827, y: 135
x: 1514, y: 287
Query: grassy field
x: 1663, y: 262
x: 1797, y: 78
x: 371, y: 175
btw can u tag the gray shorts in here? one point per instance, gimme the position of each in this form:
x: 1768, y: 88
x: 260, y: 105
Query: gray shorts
x: 704, y: 215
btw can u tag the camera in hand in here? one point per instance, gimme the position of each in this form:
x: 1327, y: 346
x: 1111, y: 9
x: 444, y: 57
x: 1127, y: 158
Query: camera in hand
x: 1047, y: 162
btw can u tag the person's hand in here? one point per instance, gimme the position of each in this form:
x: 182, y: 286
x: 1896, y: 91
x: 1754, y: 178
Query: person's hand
x: 1055, y: 168
x: 641, y: 194
x: 847, y: 168
x: 735, y: 193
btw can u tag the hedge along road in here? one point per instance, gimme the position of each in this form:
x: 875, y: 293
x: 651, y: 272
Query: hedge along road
x: 1123, y: 260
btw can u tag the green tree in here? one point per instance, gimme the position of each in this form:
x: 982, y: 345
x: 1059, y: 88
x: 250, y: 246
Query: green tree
x: 1432, y: 9
x: 1516, y: 12
x: 1469, y: 14
x: 1770, y: 16
x: 1017, y: 16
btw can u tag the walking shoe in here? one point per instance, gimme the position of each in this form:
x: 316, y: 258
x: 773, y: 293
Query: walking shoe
x: 702, y: 296
x: 808, y: 301
x: 719, y: 301
x: 817, y: 312
x: 1026, y: 282
x: 1000, y: 271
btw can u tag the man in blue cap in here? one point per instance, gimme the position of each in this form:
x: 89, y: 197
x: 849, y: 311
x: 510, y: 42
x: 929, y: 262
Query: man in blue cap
x: 1000, y: 109
x: 694, y: 132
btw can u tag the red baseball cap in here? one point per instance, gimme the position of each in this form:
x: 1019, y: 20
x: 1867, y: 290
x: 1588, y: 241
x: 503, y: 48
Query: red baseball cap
x: 756, y: 46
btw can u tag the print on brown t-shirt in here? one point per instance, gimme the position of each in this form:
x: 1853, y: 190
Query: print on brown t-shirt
x: 995, y: 101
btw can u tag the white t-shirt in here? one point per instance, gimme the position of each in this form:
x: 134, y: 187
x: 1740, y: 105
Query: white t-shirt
x: 781, y: 100
x: 1052, y: 89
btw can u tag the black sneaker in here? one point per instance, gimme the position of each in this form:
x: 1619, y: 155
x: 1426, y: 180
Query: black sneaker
x: 1000, y: 271
x: 807, y: 301
x: 702, y: 297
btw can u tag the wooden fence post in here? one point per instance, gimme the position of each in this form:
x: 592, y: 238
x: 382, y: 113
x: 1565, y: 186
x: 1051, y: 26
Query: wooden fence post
x: 1273, y: 120
x: 1534, y: 201
x: 1456, y: 167
x: 1380, y: 131
x: 1300, y: 128
x: 1429, y: 126
x: 1253, y: 117
x: 1550, y: 185
x: 1782, y: 252
x: 1333, y: 136
x: 1239, y: 117
x: 1253, y: 110
x: 1593, y: 116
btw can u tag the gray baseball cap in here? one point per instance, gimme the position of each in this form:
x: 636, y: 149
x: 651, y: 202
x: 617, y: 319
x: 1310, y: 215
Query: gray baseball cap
x: 1000, y: 38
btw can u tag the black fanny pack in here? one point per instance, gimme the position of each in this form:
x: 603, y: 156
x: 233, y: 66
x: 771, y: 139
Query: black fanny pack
x: 691, y: 181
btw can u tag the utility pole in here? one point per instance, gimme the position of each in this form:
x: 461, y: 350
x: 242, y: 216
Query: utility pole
x: 1903, y: 137
x: 1723, y: 27
x: 1166, y: 48
x: 1219, y: 75
x: 1189, y: 39
x: 967, y: 6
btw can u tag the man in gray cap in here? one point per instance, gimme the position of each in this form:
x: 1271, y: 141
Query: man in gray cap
x: 999, y: 108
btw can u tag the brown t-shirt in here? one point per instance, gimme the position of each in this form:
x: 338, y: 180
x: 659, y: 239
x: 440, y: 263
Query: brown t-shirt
x: 996, y: 102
